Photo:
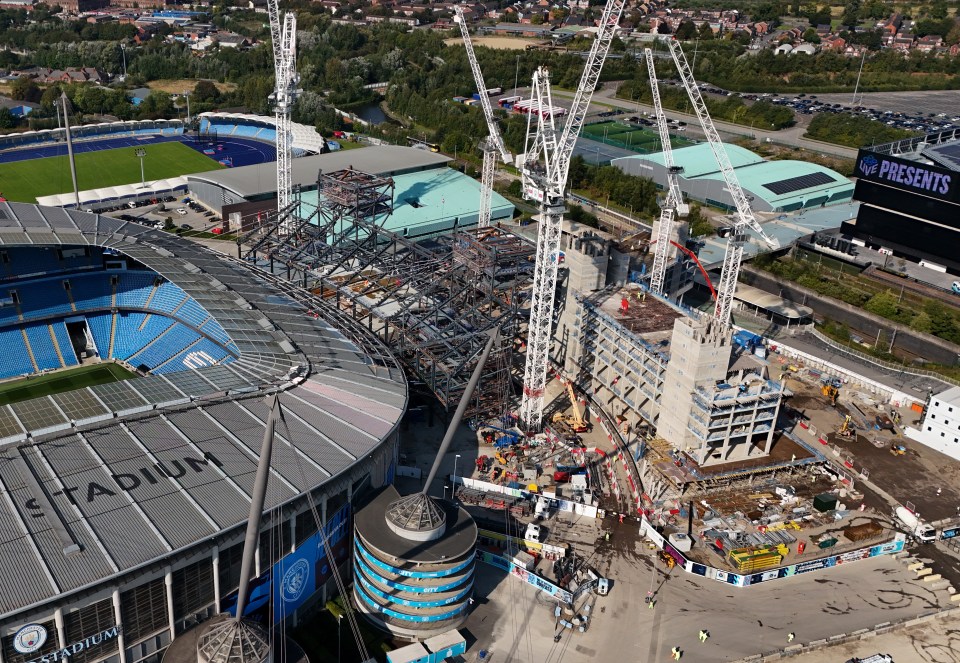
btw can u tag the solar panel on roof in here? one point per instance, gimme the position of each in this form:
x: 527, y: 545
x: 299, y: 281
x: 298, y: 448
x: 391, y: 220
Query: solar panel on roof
x: 947, y: 155
x: 798, y: 183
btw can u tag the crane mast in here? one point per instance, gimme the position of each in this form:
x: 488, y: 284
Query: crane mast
x: 284, y: 33
x: 493, y: 144
x: 544, y: 169
x: 744, y: 219
x: 673, y: 205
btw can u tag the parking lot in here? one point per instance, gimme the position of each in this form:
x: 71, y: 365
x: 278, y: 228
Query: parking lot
x: 186, y: 214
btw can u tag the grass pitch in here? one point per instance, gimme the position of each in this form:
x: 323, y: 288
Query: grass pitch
x: 24, y: 181
x: 55, y: 383
x: 629, y: 136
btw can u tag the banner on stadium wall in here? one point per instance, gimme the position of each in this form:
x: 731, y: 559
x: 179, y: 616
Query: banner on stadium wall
x: 528, y: 577
x: 296, y: 576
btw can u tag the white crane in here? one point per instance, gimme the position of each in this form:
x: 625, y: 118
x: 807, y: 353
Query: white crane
x: 284, y: 36
x: 493, y: 144
x: 544, y: 169
x: 744, y: 218
x: 673, y: 205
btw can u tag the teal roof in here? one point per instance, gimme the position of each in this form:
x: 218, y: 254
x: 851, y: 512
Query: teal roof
x: 698, y: 160
x: 429, y: 201
x: 753, y: 178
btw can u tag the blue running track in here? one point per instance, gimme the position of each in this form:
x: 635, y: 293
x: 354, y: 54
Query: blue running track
x: 240, y: 151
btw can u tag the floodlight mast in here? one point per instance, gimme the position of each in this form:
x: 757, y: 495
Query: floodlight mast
x: 544, y: 168
x: 733, y: 258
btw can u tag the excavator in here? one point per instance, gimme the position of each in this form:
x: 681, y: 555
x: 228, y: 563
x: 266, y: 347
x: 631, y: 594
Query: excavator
x: 575, y: 420
x: 847, y: 430
x: 831, y: 392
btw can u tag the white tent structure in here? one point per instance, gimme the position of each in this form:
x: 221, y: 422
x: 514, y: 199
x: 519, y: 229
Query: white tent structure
x: 125, y: 192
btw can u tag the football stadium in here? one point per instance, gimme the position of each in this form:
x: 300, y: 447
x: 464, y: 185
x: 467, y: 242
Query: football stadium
x: 135, y: 375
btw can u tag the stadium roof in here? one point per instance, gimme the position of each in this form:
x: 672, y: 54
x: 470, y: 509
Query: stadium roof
x: 249, y: 181
x: 92, y: 196
x: 698, y: 160
x: 304, y: 137
x: 106, y: 479
x: 427, y: 202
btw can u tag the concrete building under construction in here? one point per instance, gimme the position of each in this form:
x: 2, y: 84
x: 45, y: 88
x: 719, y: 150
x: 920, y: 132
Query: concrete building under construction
x: 634, y: 351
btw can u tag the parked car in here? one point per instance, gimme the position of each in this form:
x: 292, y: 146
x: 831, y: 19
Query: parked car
x: 181, y: 211
x: 186, y: 226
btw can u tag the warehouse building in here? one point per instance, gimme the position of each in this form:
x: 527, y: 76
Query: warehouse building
x: 771, y: 186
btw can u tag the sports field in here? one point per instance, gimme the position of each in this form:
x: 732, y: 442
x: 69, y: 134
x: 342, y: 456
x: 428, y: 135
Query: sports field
x: 55, y: 383
x: 630, y: 137
x: 24, y: 181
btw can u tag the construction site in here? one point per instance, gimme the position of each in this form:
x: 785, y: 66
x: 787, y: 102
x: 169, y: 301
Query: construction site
x: 586, y: 397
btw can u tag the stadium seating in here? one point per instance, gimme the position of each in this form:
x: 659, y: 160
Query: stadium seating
x: 41, y: 344
x: 129, y: 339
x: 167, y: 298
x: 45, y: 297
x: 171, y: 342
x: 90, y: 291
x: 269, y: 135
x: 63, y: 341
x: 99, y: 326
x: 134, y: 288
x: 204, y: 353
x: 16, y: 359
x: 192, y: 312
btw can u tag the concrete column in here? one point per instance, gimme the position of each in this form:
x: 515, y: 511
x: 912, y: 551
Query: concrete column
x: 168, y: 581
x: 256, y: 560
x: 61, y: 629
x: 216, y: 579
x: 293, y: 532
x: 121, y: 641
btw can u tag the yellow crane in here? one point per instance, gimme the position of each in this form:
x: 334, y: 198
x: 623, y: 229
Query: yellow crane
x: 575, y: 420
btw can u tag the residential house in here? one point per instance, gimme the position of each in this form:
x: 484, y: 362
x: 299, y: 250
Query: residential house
x: 903, y: 42
x: 930, y: 43
x: 834, y: 43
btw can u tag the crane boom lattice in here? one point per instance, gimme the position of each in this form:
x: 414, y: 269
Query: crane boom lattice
x: 744, y: 214
x: 546, y: 182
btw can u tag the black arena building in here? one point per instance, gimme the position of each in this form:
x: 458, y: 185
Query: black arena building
x: 910, y: 195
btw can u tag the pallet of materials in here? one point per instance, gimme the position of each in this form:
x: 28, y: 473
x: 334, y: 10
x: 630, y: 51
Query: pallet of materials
x: 750, y: 560
x: 863, y: 532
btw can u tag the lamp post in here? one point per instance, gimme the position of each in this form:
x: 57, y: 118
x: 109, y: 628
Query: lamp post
x: 339, y: 617
x: 140, y: 152
x: 123, y: 54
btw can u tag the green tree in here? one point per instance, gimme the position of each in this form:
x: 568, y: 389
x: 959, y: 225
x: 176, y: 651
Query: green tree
x: 25, y: 89
x: 922, y: 323
x: 205, y: 91
x: 883, y: 304
x: 810, y: 36
x: 7, y: 119
x: 686, y: 31
x: 705, y: 31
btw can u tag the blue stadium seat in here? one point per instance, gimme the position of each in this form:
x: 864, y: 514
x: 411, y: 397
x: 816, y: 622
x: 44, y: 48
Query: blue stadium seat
x: 172, y: 342
x: 16, y: 359
x: 167, y: 298
x: 129, y: 339
x: 192, y: 312
x: 100, y: 325
x: 39, y: 298
x: 63, y: 341
x: 204, y: 353
x: 269, y: 135
x: 133, y: 288
x: 42, y: 345
x: 90, y: 291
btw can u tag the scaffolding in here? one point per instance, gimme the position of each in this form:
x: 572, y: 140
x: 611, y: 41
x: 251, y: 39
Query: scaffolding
x: 432, y: 301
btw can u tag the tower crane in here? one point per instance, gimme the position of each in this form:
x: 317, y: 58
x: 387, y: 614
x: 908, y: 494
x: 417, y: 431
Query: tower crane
x: 744, y: 218
x: 284, y: 33
x: 493, y: 144
x: 544, y: 167
x: 673, y: 205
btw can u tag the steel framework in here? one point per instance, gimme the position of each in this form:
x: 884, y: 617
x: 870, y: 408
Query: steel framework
x: 733, y: 258
x: 544, y: 169
x: 432, y: 302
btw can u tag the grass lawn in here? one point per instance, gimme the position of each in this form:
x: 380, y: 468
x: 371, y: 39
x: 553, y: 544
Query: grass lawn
x: 55, y: 383
x: 24, y: 181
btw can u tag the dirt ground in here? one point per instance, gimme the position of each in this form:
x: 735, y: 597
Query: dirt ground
x: 178, y: 86
x: 928, y: 479
x: 505, y: 43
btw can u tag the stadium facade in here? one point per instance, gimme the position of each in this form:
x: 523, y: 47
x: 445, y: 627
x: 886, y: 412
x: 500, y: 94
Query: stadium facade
x: 124, y: 504
x: 910, y: 198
